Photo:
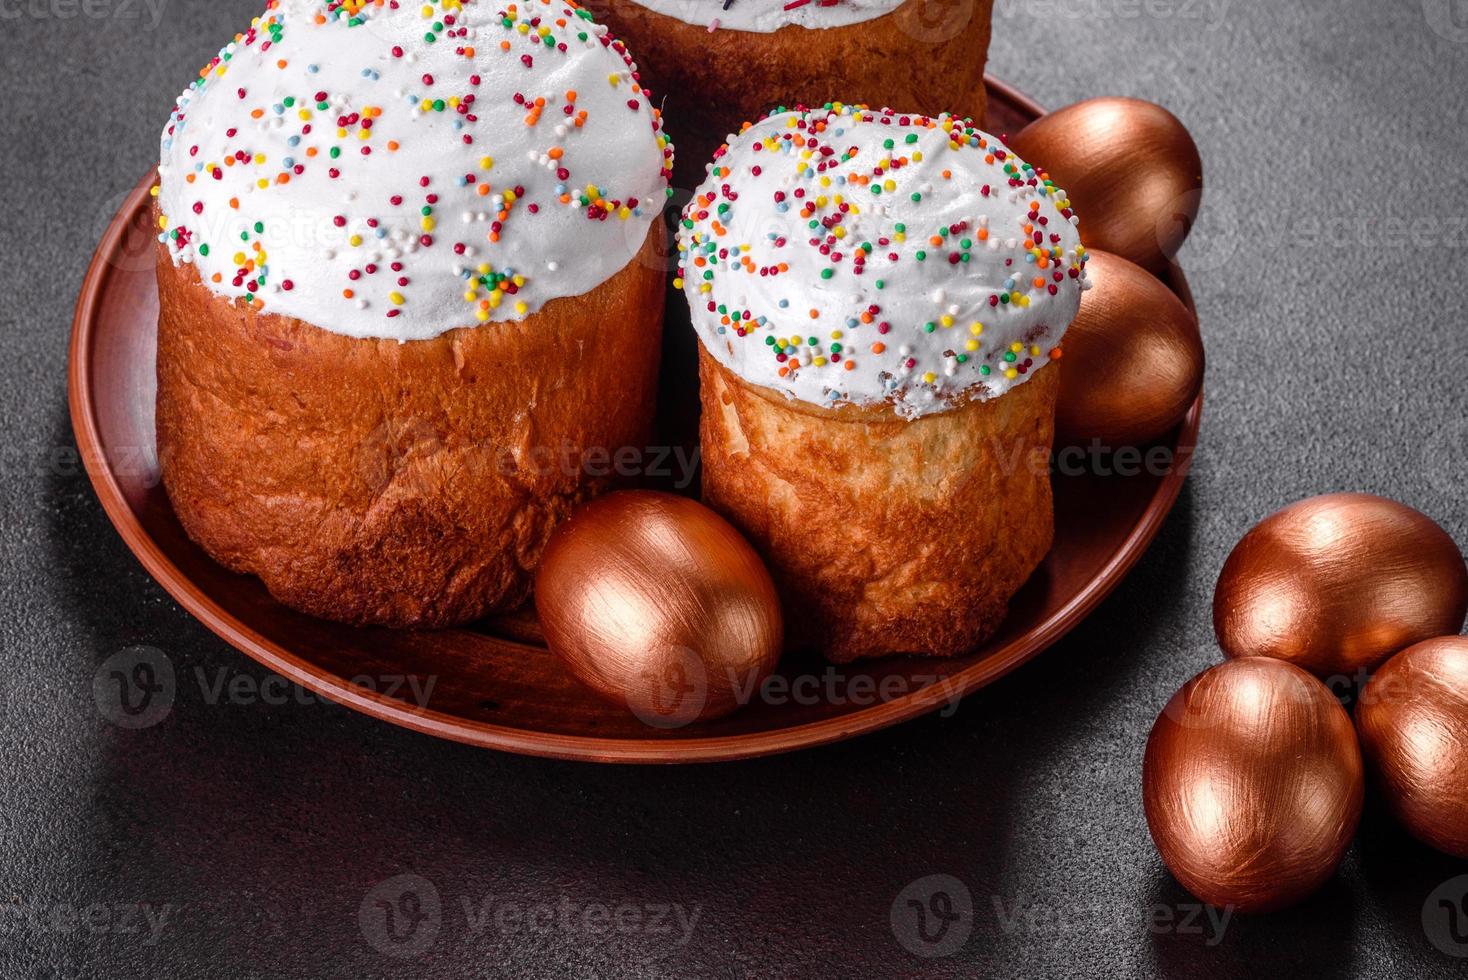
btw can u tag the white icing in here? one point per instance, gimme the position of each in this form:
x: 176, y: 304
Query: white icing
x: 323, y: 234
x: 767, y: 16
x: 946, y: 327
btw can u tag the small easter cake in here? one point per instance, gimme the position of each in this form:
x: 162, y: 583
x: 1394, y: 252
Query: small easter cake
x: 878, y: 297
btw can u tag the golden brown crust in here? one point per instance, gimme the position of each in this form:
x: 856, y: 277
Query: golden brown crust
x: 411, y: 484
x: 885, y: 535
x: 926, y: 56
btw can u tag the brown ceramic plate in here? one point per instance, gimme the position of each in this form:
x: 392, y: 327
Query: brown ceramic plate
x: 494, y: 684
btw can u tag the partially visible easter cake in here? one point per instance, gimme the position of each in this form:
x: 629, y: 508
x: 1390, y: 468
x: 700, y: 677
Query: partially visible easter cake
x: 723, y: 63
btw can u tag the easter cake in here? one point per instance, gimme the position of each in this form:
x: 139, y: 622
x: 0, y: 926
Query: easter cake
x: 879, y: 298
x: 410, y: 280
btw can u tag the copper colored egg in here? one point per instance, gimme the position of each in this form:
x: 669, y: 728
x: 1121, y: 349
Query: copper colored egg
x: 1413, y: 722
x: 1133, y: 358
x: 1252, y: 785
x: 658, y: 604
x: 1336, y: 584
x: 1131, y: 170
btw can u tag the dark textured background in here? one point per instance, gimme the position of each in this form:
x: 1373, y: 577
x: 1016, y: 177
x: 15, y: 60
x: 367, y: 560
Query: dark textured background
x: 1337, y: 361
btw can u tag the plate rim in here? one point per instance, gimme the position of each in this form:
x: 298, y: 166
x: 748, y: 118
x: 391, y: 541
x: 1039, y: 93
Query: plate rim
x: 723, y: 748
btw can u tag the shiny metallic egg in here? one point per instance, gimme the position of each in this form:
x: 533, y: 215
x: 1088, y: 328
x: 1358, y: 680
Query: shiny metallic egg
x: 659, y: 604
x: 1336, y: 584
x: 1412, y: 717
x: 1132, y: 360
x: 1252, y: 784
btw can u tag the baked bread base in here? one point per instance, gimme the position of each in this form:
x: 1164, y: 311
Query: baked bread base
x: 885, y: 535
x: 401, y: 484
x: 926, y: 56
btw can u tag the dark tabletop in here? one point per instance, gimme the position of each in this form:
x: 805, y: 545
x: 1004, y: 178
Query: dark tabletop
x: 253, y: 832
